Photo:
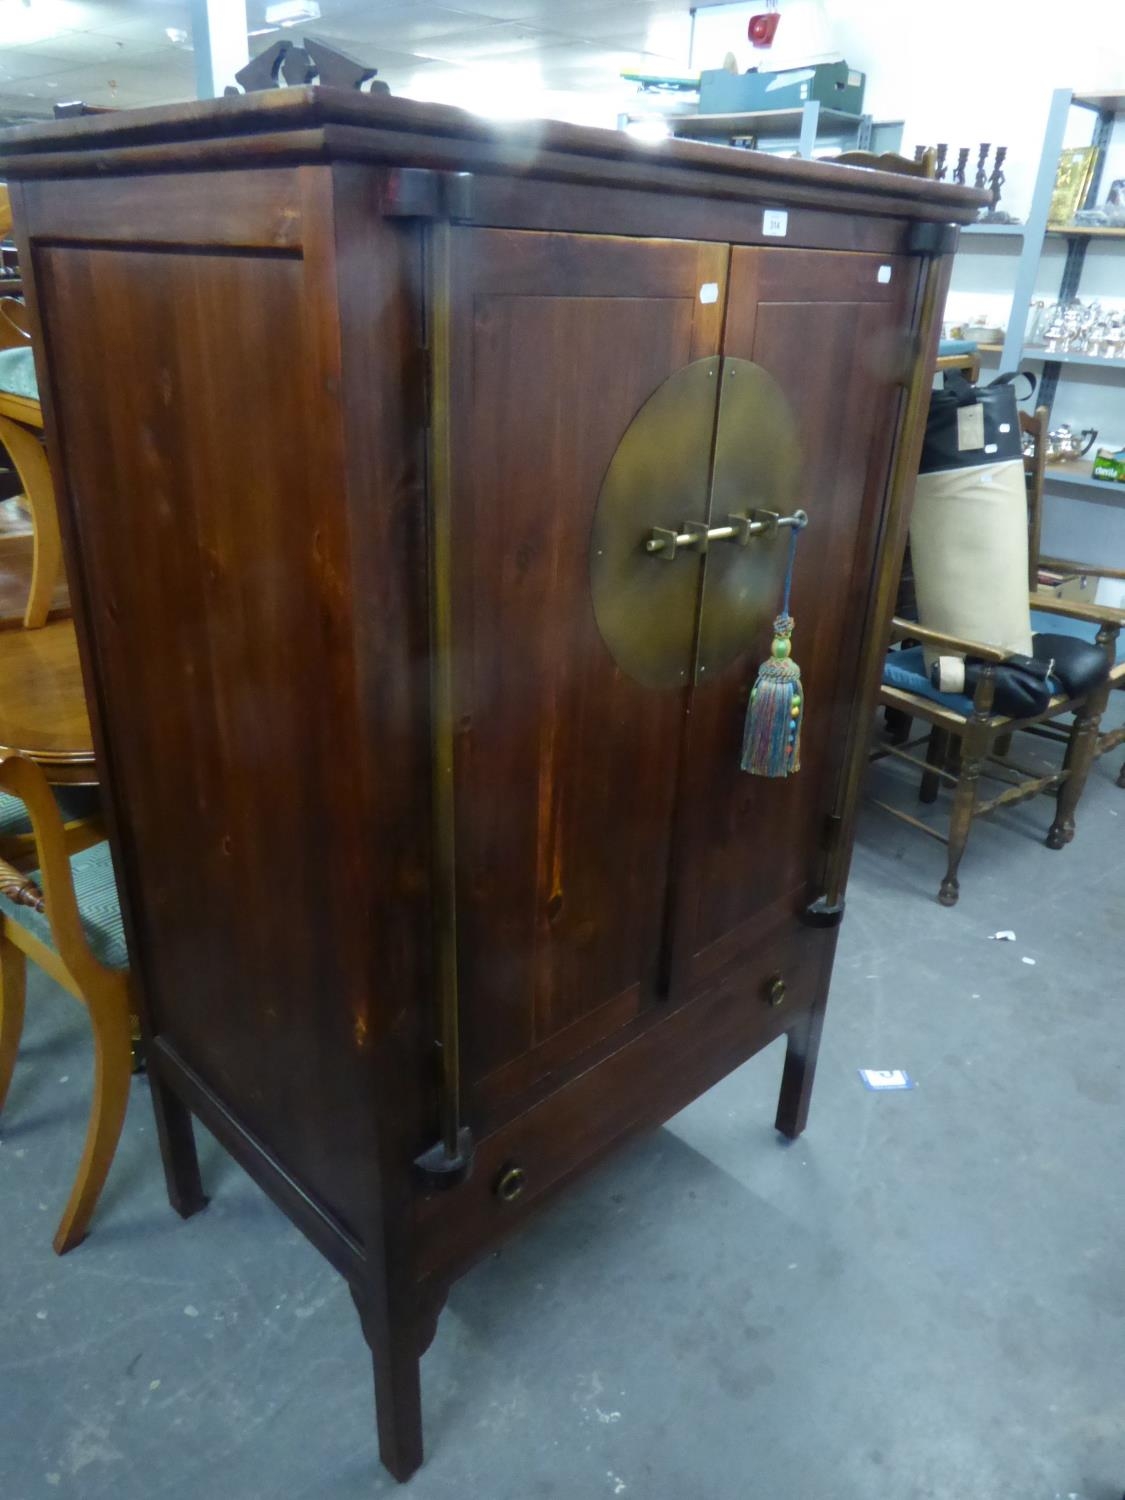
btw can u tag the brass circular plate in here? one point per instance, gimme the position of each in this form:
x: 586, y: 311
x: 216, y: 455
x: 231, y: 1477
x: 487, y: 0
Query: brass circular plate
x: 662, y: 476
x: 645, y: 606
x: 757, y: 465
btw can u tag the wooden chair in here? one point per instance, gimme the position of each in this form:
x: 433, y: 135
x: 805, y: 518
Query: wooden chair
x: 65, y: 916
x: 21, y: 432
x: 967, y: 741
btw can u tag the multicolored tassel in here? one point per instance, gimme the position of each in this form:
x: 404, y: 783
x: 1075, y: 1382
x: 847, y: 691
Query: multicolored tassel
x: 771, y: 741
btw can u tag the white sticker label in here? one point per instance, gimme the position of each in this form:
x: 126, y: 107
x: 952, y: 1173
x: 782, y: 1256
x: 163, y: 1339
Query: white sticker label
x: 970, y: 427
x: 883, y: 275
x: 709, y: 291
x: 1005, y: 426
x: 991, y: 448
x: 775, y: 221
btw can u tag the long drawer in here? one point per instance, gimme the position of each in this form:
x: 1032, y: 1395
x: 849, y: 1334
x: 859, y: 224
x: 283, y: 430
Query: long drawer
x: 738, y: 1010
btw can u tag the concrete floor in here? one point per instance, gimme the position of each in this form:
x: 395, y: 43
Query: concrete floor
x: 924, y: 1297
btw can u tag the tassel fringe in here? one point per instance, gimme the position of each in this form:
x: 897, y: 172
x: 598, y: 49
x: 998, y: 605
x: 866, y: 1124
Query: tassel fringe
x: 771, y: 742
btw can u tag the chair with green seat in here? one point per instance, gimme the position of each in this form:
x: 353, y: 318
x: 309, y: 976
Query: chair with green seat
x: 21, y: 433
x: 65, y: 916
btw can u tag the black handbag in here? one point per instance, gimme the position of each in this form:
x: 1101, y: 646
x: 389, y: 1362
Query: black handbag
x: 973, y: 424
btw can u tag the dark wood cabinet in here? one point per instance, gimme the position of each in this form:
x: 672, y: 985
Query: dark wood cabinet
x: 440, y: 871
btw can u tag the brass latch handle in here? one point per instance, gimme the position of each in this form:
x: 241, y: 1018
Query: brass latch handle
x: 696, y: 537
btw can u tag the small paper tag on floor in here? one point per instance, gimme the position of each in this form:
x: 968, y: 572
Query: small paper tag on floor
x: 881, y: 1079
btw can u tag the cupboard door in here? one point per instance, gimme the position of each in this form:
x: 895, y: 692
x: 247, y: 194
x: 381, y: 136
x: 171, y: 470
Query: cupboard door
x: 827, y: 326
x: 564, y: 767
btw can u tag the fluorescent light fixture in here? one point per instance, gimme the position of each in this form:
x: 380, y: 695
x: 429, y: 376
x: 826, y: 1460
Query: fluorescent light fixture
x: 22, y: 24
x: 292, y: 12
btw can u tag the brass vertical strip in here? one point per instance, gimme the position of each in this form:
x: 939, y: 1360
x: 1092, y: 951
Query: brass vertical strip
x: 441, y: 686
x: 935, y: 284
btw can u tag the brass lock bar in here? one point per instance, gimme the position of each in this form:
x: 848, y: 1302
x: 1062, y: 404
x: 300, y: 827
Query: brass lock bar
x: 664, y: 543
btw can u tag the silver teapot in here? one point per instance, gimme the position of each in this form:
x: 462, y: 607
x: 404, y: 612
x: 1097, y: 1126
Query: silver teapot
x: 1063, y: 445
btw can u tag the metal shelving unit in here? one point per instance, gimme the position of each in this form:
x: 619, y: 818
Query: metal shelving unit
x: 1105, y: 107
x: 800, y: 128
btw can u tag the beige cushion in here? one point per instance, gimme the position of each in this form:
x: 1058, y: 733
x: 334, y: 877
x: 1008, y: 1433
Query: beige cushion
x: 968, y: 545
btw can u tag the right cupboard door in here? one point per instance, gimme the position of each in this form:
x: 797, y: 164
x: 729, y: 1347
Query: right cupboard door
x: 829, y: 328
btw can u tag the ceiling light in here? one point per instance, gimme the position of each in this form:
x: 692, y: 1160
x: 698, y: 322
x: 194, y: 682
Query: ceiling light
x: 292, y: 12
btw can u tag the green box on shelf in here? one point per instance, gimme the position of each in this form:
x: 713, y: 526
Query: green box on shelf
x: 833, y: 85
x: 1109, y: 465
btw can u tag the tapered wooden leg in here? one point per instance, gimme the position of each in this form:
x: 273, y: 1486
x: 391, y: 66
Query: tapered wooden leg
x: 936, y: 754
x: 13, y: 991
x: 1079, y: 758
x: 395, y: 1339
x: 177, y: 1148
x: 797, y: 1077
x: 113, y: 1067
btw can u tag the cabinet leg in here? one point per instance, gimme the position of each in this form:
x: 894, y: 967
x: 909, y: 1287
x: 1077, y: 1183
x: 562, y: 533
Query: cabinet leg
x: 797, y: 1078
x: 177, y: 1148
x: 394, y: 1344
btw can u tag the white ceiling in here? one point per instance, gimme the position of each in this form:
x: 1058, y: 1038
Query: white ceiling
x: 502, y: 55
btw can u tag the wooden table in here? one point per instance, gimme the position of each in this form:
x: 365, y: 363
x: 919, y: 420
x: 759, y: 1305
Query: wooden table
x: 43, y: 703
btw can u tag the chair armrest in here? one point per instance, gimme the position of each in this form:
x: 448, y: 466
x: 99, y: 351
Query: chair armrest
x: 943, y: 642
x: 1068, y: 565
x: 1075, y: 609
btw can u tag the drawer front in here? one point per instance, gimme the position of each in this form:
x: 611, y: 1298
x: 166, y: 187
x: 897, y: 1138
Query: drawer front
x: 753, y: 995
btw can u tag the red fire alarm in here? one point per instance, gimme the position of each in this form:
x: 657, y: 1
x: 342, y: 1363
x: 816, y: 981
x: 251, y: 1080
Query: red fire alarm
x: 763, y: 27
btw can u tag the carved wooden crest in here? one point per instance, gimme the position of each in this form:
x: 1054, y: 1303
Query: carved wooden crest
x: 292, y: 64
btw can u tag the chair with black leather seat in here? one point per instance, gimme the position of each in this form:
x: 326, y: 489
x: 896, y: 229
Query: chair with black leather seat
x: 968, y: 738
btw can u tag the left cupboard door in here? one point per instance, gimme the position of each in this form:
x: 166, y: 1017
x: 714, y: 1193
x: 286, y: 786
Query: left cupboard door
x: 565, y: 768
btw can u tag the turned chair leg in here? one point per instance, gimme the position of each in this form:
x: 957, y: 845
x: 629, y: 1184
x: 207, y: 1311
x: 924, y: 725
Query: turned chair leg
x: 177, y: 1147
x: 937, y: 752
x: 960, y: 822
x: 13, y: 992
x: 1080, y: 751
x: 113, y: 1067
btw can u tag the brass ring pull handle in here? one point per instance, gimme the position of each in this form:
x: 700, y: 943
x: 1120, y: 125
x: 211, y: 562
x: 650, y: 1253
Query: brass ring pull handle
x: 696, y: 537
x: 775, y: 991
x: 510, y: 1184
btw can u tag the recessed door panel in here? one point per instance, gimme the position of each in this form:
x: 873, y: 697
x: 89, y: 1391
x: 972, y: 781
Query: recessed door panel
x: 565, y: 766
x: 827, y: 327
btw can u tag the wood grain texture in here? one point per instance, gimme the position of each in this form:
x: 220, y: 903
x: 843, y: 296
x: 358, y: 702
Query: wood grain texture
x: 238, y: 391
x: 219, y: 570
x: 830, y: 333
x: 43, y: 703
x: 562, y: 829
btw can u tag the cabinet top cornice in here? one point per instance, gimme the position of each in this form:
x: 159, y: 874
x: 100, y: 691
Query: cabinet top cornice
x: 289, y: 125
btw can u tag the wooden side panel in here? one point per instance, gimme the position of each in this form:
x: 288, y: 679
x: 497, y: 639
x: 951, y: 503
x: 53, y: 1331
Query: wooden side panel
x: 829, y: 327
x: 565, y: 768
x: 196, y: 397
